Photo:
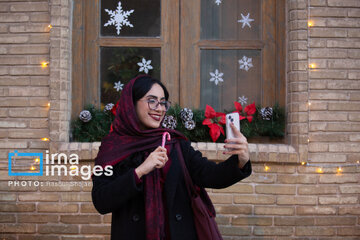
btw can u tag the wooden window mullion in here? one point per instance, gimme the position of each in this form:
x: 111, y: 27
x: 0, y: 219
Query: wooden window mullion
x: 190, y: 54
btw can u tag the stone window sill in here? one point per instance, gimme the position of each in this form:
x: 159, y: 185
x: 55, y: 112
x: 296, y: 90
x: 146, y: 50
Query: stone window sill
x: 274, y: 153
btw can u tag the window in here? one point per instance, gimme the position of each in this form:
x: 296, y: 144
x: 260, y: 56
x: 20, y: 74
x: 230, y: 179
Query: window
x: 206, y: 51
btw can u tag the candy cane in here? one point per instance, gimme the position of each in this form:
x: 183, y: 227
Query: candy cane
x: 164, y: 138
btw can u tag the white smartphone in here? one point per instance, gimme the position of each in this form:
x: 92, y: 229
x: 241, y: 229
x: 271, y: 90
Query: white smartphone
x: 232, y: 118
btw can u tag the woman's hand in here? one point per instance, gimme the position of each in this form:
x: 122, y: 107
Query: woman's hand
x: 238, y: 145
x: 156, y: 159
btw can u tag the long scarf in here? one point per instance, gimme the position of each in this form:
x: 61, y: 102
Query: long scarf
x: 125, y: 139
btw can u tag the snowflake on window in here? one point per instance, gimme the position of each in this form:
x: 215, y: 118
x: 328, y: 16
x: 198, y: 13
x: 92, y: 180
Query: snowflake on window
x: 118, y: 86
x: 145, y: 66
x: 243, y: 100
x: 216, y: 77
x: 217, y: 2
x: 245, y: 63
x: 245, y: 20
x: 118, y: 18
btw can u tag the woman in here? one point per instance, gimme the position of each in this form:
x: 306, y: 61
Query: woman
x: 146, y: 194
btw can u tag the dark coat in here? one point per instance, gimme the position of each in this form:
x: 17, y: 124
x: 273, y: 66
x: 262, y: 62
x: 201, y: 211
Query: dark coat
x: 121, y: 195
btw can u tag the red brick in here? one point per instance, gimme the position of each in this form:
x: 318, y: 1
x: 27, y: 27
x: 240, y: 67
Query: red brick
x: 12, y: 207
x: 315, y: 231
x: 58, y: 228
x: 349, y: 231
x: 103, y: 229
x: 237, y: 188
x: 37, y: 237
x: 218, y: 199
x: 273, y: 231
x: 350, y: 189
x: 30, y: 28
x: 77, y: 219
x: 37, y: 218
x: 294, y: 221
x: 13, y: 39
x: 235, y: 231
x: 58, y: 208
x: 308, y: 210
x: 317, y: 190
x: 7, y: 218
x: 75, y: 197
x: 328, y: 12
x: 30, y: 7
x: 328, y: 33
x: 269, y: 210
x: 7, y: 197
x: 296, y: 179
x: 85, y: 238
x: 29, y: 133
x: 29, y: 70
x: 252, y: 221
x: 87, y: 208
x: 339, y: 178
x: 294, y: 200
x: 335, y: 221
x: 354, y: 210
x: 343, y: 3
x: 42, y: 197
x: 232, y: 209
x: 251, y: 199
x: 29, y: 49
x: 16, y: 228
x: 275, y: 189
x: 40, y: 17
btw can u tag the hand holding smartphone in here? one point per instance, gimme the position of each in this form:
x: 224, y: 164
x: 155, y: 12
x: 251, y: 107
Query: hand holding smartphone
x: 232, y: 118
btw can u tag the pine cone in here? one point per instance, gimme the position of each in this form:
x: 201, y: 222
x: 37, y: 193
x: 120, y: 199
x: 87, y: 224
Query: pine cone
x: 266, y: 113
x: 85, y: 116
x: 190, y: 125
x: 186, y: 114
x: 108, y: 107
x: 169, y: 122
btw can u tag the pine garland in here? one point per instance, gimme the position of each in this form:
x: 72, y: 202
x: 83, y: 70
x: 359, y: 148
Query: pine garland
x: 94, y: 130
x: 99, y: 126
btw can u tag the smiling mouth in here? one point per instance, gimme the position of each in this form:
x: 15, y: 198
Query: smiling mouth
x: 155, y: 117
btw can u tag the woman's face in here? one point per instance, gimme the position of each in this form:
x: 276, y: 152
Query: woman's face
x: 151, y: 118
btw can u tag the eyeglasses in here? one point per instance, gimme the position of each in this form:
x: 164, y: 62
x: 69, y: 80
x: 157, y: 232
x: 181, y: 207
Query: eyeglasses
x: 153, y: 104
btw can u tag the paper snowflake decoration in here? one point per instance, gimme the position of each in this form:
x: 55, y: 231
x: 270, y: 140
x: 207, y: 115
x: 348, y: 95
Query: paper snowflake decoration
x: 245, y: 63
x: 145, y: 66
x: 217, y: 2
x: 216, y: 77
x: 118, y: 18
x: 243, y: 100
x: 118, y: 86
x: 245, y: 20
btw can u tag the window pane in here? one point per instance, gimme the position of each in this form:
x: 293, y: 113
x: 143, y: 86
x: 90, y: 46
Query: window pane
x: 120, y: 64
x: 222, y: 21
x: 143, y: 15
x: 220, y: 89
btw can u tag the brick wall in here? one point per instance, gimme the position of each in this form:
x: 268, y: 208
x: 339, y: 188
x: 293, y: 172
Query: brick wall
x: 286, y: 201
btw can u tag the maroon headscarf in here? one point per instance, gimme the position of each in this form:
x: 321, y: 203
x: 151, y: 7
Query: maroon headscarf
x: 127, y: 138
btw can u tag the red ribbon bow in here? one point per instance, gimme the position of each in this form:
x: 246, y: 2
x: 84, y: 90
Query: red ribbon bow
x: 249, y: 110
x: 213, y: 120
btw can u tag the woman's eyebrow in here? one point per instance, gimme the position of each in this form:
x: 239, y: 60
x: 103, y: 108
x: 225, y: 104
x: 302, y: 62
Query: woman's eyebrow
x: 153, y: 96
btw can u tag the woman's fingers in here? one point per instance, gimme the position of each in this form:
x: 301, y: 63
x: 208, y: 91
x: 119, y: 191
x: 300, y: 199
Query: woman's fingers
x: 160, y: 149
